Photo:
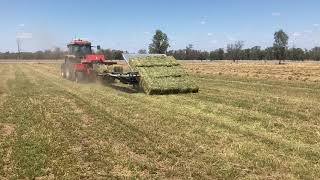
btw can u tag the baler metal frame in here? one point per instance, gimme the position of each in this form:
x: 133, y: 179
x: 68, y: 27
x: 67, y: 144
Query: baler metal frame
x: 131, y: 78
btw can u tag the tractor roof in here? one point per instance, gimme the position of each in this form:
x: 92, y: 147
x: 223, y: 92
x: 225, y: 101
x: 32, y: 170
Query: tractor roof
x: 79, y: 42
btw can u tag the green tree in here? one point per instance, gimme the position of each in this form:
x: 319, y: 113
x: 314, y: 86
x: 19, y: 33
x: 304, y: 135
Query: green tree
x: 190, y: 53
x: 234, y: 50
x: 220, y: 54
x: 203, y: 55
x: 160, y: 43
x: 142, y: 51
x: 269, y: 55
x: 255, y: 53
x: 245, y: 54
x: 296, y: 54
x: 280, y: 45
x: 315, y: 53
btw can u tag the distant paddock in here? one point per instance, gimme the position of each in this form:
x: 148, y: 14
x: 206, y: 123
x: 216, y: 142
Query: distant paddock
x: 290, y: 70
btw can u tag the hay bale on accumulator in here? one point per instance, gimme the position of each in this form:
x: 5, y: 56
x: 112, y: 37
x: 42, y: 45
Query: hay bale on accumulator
x: 163, y: 75
x: 152, y: 61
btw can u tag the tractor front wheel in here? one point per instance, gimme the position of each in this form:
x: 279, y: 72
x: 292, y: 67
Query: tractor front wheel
x: 70, y: 75
x: 63, y: 71
x: 80, y: 77
x: 109, y: 80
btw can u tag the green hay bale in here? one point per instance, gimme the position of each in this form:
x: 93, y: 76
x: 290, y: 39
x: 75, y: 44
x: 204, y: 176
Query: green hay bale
x: 152, y: 61
x: 162, y: 71
x: 117, y: 68
x: 168, y: 85
x: 163, y: 75
x: 103, y: 68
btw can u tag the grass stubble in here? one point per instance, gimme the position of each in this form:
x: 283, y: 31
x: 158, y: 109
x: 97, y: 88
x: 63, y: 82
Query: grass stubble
x: 235, y: 127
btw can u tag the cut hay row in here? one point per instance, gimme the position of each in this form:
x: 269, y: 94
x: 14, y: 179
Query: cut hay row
x: 163, y: 75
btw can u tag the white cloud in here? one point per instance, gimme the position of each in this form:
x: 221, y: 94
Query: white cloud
x: 21, y: 25
x: 210, y: 34
x: 146, y: 32
x: 24, y: 35
x: 316, y: 25
x: 203, y: 22
x: 276, y: 14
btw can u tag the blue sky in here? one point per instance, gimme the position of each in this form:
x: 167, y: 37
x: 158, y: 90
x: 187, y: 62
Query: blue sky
x: 129, y: 25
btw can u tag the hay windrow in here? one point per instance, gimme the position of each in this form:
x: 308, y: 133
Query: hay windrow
x: 163, y: 75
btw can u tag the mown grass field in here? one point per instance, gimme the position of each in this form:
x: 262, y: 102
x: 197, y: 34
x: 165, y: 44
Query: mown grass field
x: 301, y: 71
x: 236, y: 127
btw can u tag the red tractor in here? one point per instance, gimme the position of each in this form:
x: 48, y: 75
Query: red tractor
x: 81, y: 64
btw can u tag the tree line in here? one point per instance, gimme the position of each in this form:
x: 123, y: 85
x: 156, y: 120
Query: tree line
x: 188, y: 53
x: 254, y: 53
x: 235, y: 51
x: 160, y: 44
x: 56, y: 54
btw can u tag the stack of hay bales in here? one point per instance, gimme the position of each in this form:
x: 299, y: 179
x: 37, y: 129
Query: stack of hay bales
x: 103, y: 68
x: 117, y: 68
x: 162, y: 75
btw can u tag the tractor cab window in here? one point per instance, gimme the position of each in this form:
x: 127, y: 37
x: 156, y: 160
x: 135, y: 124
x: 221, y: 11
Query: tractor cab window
x: 80, y: 50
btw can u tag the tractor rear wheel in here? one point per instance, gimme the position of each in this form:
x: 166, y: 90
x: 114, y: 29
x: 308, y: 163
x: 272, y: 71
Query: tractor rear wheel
x: 80, y: 77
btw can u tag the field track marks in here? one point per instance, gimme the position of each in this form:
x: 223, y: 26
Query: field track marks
x: 277, y: 98
x: 123, y: 137
x: 7, y: 129
x: 161, y: 101
x: 128, y: 135
x: 6, y: 73
x: 43, y: 131
x: 175, y: 99
x: 75, y: 150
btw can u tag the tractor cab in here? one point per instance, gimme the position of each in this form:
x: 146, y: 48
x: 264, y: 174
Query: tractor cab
x: 81, y: 51
x: 79, y: 48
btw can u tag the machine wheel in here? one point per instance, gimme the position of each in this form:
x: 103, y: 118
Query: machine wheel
x: 79, y: 77
x: 70, y: 75
x: 109, y: 80
x: 92, y: 77
x: 63, y: 71
x: 136, y: 86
